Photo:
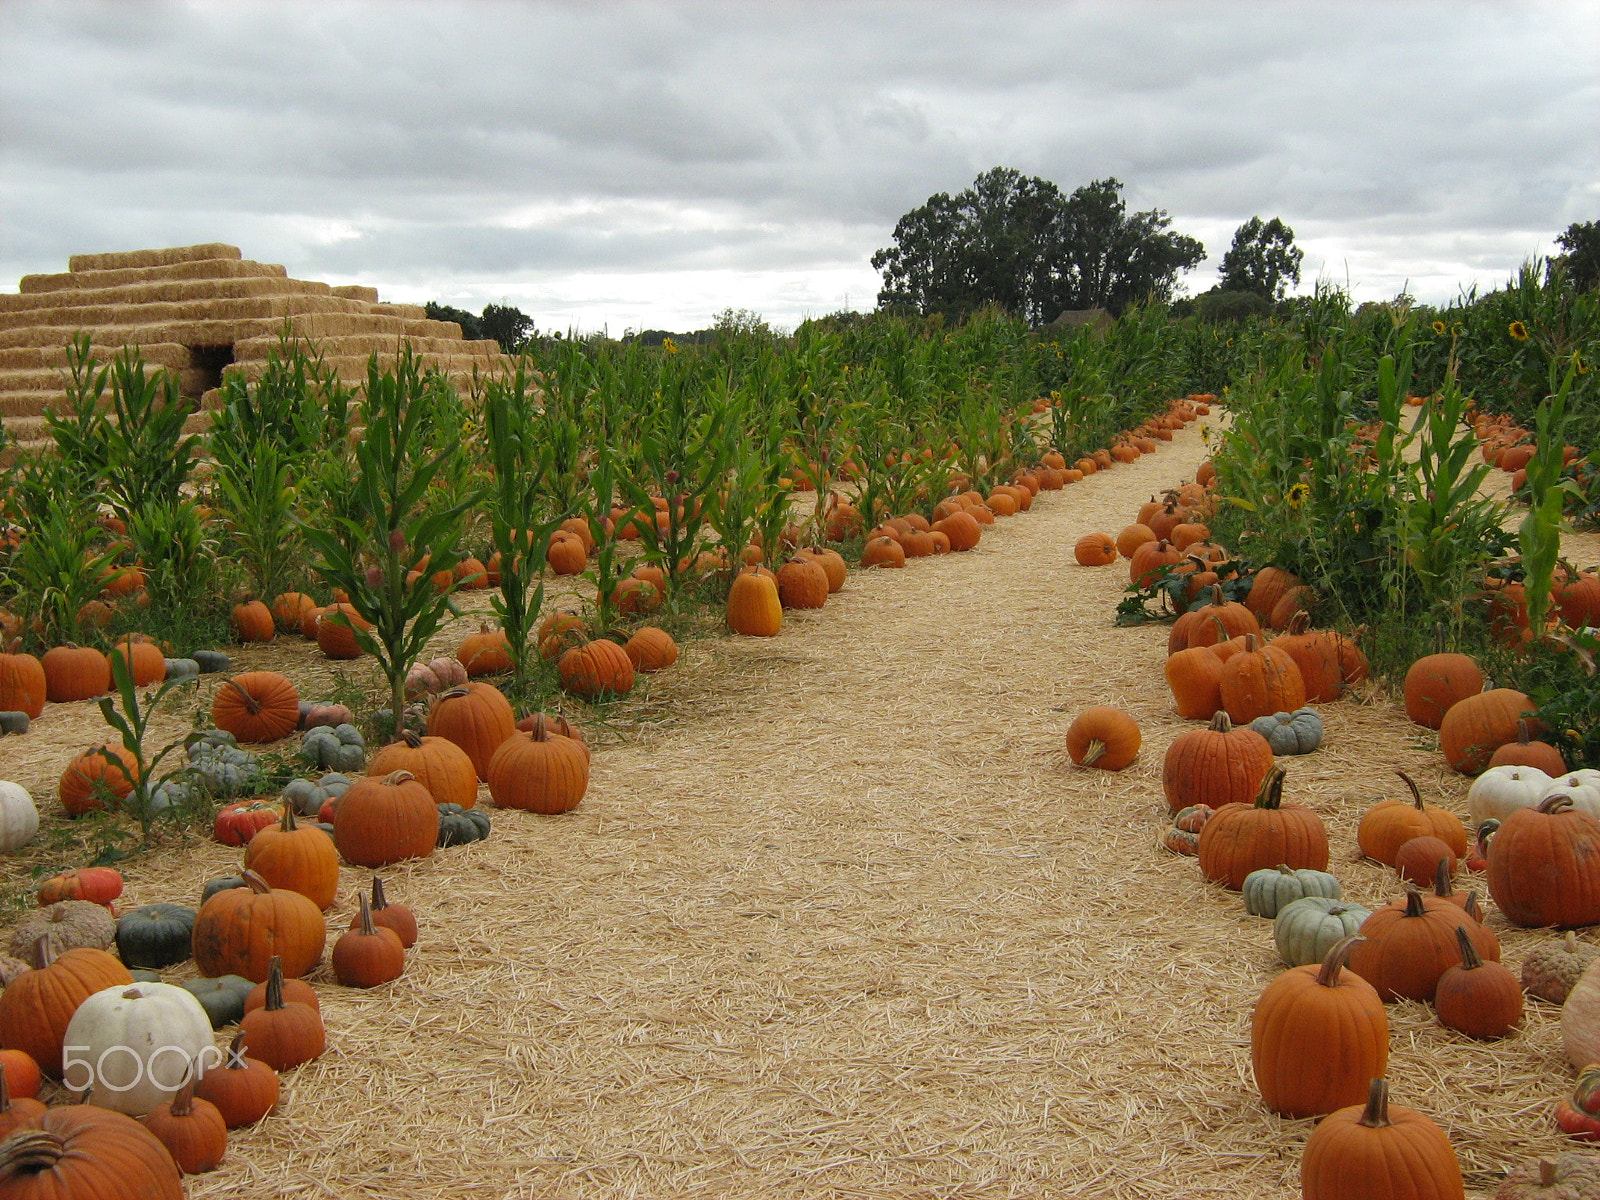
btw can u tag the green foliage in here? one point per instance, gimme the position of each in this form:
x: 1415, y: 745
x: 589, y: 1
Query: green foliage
x: 61, y: 565
x: 1580, y: 265
x: 131, y: 719
x: 1263, y: 260
x: 391, y: 516
x: 1020, y: 243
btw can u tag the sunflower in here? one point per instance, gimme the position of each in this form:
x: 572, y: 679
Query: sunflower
x: 1298, y: 493
x: 1519, y: 331
x: 670, y: 346
x: 1438, y: 328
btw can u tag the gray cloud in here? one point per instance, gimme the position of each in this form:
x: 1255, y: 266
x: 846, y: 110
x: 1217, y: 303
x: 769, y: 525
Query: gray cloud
x: 619, y: 163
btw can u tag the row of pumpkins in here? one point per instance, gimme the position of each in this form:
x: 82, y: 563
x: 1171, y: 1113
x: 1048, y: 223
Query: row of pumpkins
x: 260, y: 931
x: 1319, y: 1032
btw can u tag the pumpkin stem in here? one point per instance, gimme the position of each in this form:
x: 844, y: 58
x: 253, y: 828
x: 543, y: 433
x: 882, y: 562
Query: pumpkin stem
x: 1221, y: 723
x: 1416, y: 794
x: 235, y: 1061
x: 1559, y: 802
x: 379, y: 900
x: 251, y: 704
x: 412, y: 739
x: 1271, y: 793
x: 1470, y: 959
x: 1335, y: 960
x: 1442, y: 887
x: 5, y: 1094
x: 275, y: 984
x: 30, y: 1152
x: 367, y: 929
x: 1414, y: 904
x: 44, y: 950
x: 183, y: 1103
x: 287, y: 825
x: 1523, y: 732
x: 1093, y: 751
x: 1376, y: 1114
x: 1471, y: 908
x: 538, y: 732
x: 396, y: 778
x: 256, y: 882
x: 1547, y: 1173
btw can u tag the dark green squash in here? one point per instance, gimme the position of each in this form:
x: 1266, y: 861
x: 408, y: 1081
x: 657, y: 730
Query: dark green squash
x: 457, y: 825
x: 156, y: 935
x: 222, y: 997
x: 221, y: 884
x: 140, y: 975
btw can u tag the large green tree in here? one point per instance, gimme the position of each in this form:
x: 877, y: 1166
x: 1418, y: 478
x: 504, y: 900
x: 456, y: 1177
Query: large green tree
x: 1581, y: 241
x: 1021, y: 243
x: 1263, y: 259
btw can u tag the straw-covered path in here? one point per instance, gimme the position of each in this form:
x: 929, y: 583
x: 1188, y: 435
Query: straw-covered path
x: 845, y: 921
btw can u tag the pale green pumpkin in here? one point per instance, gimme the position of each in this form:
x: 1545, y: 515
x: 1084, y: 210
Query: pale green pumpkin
x: 1268, y: 891
x: 1306, y: 929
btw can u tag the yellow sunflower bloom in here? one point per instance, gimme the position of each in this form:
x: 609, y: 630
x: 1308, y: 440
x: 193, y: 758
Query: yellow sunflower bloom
x: 1298, y: 494
x: 670, y: 346
x: 1519, y: 331
x: 1438, y: 328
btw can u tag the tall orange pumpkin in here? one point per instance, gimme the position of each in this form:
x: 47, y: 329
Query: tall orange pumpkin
x: 477, y: 717
x: 38, y: 1005
x: 382, y: 821
x: 754, y: 608
x: 1214, y: 766
x: 438, y: 764
x: 538, y: 771
x: 1241, y: 839
x: 300, y: 858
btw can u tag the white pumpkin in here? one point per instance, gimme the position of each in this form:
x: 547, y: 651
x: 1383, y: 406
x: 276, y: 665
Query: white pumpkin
x: 1582, y: 786
x: 136, y: 1043
x: 1500, y: 791
x: 19, y: 817
x: 1580, y: 1019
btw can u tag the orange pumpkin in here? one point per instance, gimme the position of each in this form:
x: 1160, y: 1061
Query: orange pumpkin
x: 539, y: 771
x: 437, y: 763
x: 1104, y: 737
x: 98, y: 778
x: 257, y: 706
x: 382, y: 821
x: 477, y: 717
x: 1241, y: 839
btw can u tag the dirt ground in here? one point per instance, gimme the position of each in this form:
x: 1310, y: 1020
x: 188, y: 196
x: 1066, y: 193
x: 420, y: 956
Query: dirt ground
x: 839, y: 918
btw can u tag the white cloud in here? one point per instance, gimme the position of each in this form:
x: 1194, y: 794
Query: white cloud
x: 647, y: 165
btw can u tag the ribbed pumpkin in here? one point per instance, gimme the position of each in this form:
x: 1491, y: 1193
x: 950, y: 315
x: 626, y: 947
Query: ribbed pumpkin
x: 391, y: 916
x: 754, y: 608
x: 1216, y: 620
x: 244, y: 1089
x: 538, y: 771
x: 368, y: 955
x: 239, y: 931
x: 1095, y: 550
x: 1329, y: 662
x: 882, y: 551
x: 145, y: 662
x: 832, y: 564
x: 1195, y: 677
x: 1528, y: 751
x: 1387, y: 826
x: 1132, y: 537
x: 1245, y: 838
x: 300, y: 858
x: 75, y: 673
x: 252, y: 621
x: 191, y: 1128
x: 1318, y: 1037
x: 1379, y: 1152
x: 1215, y: 766
x: 282, y: 1033
x: 1410, y: 944
x: 962, y: 529
x: 1480, y: 999
x: 437, y: 763
x: 383, y: 821
x: 96, y: 773
x: 85, y: 1152
x: 485, y: 652
x: 475, y: 716
x: 22, y: 682
x: 1103, y: 736
x: 335, y: 631
x: 651, y: 649
x: 38, y: 1005
x: 1476, y: 727
x: 1544, y: 865
x: 1149, y: 558
x: 1260, y: 681
x: 1267, y: 587
x: 595, y: 669
x: 802, y: 583
x: 289, y: 610
x: 1436, y: 683
x: 257, y: 706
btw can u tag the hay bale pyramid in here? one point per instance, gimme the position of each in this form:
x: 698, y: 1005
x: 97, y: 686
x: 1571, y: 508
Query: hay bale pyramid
x: 202, y: 312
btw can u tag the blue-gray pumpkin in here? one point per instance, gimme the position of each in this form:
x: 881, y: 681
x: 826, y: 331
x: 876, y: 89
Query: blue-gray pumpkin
x: 156, y: 935
x: 1299, y: 732
x: 1306, y: 929
x: 1268, y: 891
x: 458, y: 826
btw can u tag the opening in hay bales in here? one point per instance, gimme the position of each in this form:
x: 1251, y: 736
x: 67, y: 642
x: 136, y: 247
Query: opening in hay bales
x: 209, y: 362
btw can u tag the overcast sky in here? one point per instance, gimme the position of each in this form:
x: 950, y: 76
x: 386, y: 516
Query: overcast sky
x: 646, y: 165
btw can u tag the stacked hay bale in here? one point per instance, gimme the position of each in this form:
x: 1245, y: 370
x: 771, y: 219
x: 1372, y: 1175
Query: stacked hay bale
x: 201, y: 311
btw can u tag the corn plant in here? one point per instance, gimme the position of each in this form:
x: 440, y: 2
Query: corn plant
x: 131, y: 719
x: 60, y: 566
x: 148, y: 455
x: 183, y: 569
x: 1539, y: 535
x: 81, y: 430
x: 391, y: 521
x: 520, y: 513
